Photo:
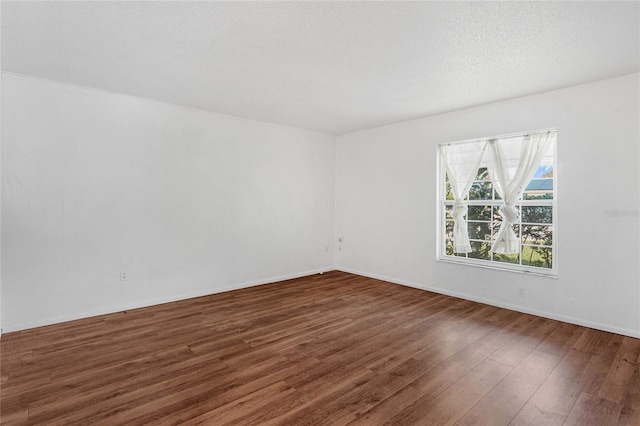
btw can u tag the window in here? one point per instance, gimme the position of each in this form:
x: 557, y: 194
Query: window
x: 497, y: 204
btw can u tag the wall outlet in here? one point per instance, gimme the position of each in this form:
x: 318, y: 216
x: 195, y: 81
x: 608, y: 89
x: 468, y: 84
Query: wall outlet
x: 521, y: 292
x: 123, y: 275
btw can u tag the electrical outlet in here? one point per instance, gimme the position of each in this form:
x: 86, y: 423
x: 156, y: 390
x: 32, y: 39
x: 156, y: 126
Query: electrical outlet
x: 123, y: 275
x: 521, y: 292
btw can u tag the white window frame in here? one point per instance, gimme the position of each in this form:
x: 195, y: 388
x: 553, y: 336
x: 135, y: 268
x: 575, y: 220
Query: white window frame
x: 441, y: 254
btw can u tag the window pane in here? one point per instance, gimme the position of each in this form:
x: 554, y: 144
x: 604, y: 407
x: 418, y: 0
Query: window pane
x: 479, y: 213
x: 448, y: 237
x: 537, y: 234
x: 544, y: 171
x: 479, y: 230
x: 495, y: 224
x: 480, y: 250
x: 496, y: 212
x: 537, y: 196
x: 447, y: 212
x: 539, y: 189
x: 495, y: 227
x: 537, y: 214
x: 506, y: 258
x: 448, y: 193
x: 483, y: 174
x: 541, y: 257
x: 480, y: 191
x: 497, y: 221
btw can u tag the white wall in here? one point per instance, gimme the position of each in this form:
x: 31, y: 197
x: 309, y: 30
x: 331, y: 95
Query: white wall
x: 386, y: 204
x: 1, y: 161
x: 188, y: 203
x: 192, y: 203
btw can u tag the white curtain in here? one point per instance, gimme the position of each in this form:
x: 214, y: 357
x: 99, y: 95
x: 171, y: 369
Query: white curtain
x: 461, y: 161
x: 511, y: 165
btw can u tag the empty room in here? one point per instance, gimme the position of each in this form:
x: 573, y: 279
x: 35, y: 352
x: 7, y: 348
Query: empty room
x: 320, y: 213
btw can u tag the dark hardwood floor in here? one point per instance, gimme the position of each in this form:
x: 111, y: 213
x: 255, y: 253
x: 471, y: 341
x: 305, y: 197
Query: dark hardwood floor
x: 332, y: 349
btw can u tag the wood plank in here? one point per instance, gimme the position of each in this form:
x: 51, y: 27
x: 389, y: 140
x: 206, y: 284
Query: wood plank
x: 388, y: 408
x: 330, y: 349
x: 562, y: 339
x: 630, y: 412
x: 456, y: 400
x: 620, y: 374
x: 554, y: 399
x: 351, y: 405
x: 517, y: 349
x: 504, y: 401
x: 239, y: 385
x: 590, y: 410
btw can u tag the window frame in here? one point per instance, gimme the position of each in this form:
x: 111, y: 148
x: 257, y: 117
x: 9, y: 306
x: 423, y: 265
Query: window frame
x: 441, y: 204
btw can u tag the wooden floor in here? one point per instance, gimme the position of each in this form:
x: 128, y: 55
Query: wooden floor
x: 330, y: 349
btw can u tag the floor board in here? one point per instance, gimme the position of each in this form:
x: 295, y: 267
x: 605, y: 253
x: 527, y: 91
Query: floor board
x: 330, y: 349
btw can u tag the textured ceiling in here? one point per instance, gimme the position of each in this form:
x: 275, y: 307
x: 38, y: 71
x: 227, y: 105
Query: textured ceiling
x: 329, y: 66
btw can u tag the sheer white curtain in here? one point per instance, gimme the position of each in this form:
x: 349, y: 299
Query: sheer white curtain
x: 511, y: 165
x: 461, y: 161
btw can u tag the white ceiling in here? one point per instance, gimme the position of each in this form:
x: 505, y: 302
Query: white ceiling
x: 336, y: 67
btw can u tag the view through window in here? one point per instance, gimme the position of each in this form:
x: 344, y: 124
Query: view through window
x: 508, y: 181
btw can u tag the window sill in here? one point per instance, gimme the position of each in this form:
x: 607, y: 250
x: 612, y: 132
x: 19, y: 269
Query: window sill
x: 551, y: 274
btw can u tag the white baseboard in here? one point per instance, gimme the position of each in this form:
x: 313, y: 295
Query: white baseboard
x: 550, y: 315
x: 159, y: 301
